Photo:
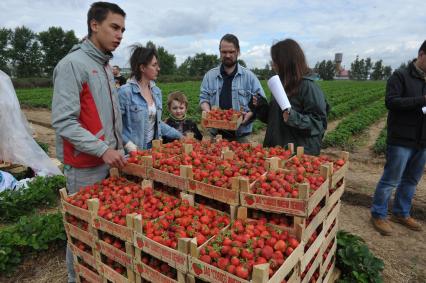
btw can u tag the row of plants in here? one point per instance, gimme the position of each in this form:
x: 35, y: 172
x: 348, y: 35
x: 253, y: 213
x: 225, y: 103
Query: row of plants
x: 29, y: 235
x: 42, y: 192
x: 380, y: 144
x: 345, y: 95
x: 353, y: 124
x: 355, y: 103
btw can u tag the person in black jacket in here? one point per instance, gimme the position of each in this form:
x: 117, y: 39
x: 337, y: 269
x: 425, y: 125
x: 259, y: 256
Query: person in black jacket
x: 305, y: 122
x: 177, y: 104
x: 406, y: 145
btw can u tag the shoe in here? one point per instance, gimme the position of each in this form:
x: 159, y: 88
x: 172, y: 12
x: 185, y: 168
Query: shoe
x: 382, y: 225
x: 409, y: 222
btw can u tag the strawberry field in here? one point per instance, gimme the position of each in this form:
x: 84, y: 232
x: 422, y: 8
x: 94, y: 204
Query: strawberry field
x: 354, y: 106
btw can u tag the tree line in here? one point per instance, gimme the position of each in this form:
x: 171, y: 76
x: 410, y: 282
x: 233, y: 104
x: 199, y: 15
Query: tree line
x: 24, y: 53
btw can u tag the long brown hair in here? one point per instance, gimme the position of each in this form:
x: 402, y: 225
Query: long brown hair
x: 291, y: 64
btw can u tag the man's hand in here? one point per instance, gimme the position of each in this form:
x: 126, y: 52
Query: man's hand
x: 246, y: 117
x: 205, y: 106
x: 114, y: 158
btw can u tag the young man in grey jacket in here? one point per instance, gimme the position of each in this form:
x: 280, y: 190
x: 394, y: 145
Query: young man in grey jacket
x: 85, y: 108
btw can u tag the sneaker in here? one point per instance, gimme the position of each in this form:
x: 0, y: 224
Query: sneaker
x: 382, y: 225
x: 409, y: 222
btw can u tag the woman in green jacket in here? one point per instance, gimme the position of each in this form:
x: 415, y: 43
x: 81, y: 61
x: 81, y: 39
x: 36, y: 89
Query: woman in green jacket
x: 305, y: 122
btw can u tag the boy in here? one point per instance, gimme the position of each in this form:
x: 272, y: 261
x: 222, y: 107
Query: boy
x: 177, y: 104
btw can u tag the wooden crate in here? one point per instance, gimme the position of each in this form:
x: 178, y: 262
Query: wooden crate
x: 110, y: 274
x: 312, y: 226
x: 312, y: 250
x: 124, y: 258
x: 177, y: 259
x: 332, y: 216
x: 225, y: 195
x: 90, y: 259
x: 334, y: 197
x: 333, y: 274
x: 86, y: 237
x: 87, y: 274
x: 78, y: 212
x: 171, y: 180
x: 221, y: 124
x: 302, y: 206
x: 340, y: 174
x: 331, y: 255
x: 260, y: 274
x: 146, y: 272
x: 139, y: 170
x: 124, y: 233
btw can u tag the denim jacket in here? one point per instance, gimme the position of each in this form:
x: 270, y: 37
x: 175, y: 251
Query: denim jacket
x: 134, y: 112
x: 244, y: 85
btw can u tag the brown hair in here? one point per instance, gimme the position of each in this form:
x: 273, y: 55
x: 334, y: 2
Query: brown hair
x: 99, y: 11
x: 178, y: 96
x: 291, y: 64
x: 423, y: 47
x: 140, y: 56
x: 231, y: 39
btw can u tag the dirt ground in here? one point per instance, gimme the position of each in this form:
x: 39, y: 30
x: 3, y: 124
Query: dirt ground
x: 403, y: 252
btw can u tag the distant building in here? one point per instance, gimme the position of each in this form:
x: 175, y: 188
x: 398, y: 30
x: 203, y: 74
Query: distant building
x: 340, y: 72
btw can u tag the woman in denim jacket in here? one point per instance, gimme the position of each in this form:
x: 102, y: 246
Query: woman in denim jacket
x: 141, y: 103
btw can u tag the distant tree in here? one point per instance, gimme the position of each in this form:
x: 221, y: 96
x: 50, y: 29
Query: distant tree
x: 264, y: 73
x: 378, y: 71
x: 367, y: 68
x: 5, y: 36
x: 387, y: 72
x: 55, y: 44
x: 325, y: 69
x: 198, y: 65
x: 183, y: 69
x: 357, y: 69
x: 242, y: 63
x: 25, y: 53
x: 167, y: 60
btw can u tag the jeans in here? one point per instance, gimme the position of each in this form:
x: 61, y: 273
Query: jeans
x: 77, y: 178
x: 403, y: 169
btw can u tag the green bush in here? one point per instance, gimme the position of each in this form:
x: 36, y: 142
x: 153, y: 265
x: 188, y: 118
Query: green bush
x: 355, y: 260
x: 29, y: 234
x: 32, y: 82
x: 41, y: 192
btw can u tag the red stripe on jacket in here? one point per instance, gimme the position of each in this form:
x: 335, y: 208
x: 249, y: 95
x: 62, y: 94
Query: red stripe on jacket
x: 89, y: 119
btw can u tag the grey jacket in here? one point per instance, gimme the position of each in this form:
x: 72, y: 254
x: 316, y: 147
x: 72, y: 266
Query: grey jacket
x: 85, y: 108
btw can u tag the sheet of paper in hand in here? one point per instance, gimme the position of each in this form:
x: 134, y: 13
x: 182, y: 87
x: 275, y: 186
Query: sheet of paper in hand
x: 278, y: 92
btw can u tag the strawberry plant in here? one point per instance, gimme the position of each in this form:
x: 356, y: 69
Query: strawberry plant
x: 41, y: 192
x: 356, y: 261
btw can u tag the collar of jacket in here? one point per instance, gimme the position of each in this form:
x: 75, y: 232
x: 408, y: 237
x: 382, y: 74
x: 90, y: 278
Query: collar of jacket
x: 239, y: 70
x: 93, y: 52
x: 135, y: 85
x: 309, y: 77
x: 414, y: 72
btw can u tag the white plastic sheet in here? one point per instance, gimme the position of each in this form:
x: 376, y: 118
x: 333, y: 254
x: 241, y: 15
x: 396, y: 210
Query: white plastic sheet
x: 278, y: 92
x: 16, y: 141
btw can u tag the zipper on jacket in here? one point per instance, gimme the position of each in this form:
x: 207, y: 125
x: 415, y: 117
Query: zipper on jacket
x: 113, y: 110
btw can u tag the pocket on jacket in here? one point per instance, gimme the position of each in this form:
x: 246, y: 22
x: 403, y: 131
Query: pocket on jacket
x: 136, y: 113
x: 244, y: 97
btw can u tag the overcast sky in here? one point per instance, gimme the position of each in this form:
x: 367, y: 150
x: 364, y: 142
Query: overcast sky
x: 380, y: 29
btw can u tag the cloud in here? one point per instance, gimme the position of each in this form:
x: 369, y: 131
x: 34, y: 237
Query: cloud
x: 181, y: 22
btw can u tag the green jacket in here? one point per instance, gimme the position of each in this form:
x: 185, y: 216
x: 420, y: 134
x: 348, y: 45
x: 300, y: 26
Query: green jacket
x: 307, y: 121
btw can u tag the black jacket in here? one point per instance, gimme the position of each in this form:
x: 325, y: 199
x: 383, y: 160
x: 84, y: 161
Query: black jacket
x: 405, y: 97
x: 183, y: 126
x: 307, y: 121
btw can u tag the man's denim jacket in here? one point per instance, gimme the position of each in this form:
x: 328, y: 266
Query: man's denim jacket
x: 134, y: 112
x: 244, y: 85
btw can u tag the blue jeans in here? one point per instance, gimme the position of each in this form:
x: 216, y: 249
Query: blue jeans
x: 403, y: 169
x: 77, y: 178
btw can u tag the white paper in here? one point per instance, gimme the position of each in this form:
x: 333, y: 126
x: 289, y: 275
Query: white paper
x: 278, y: 92
x: 424, y: 109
